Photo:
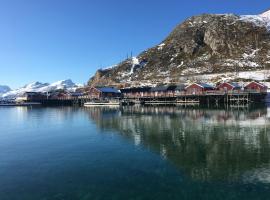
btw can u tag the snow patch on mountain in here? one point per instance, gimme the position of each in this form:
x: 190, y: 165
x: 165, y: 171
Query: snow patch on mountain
x: 109, y: 67
x: 59, y: 85
x: 67, y: 85
x: 134, y: 63
x: 160, y: 47
x: 245, y: 62
x: 250, y: 55
x: 246, y: 76
x: 266, y: 15
x: 262, y: 20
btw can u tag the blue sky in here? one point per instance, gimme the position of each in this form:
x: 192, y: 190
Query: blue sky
x: 50, y: 40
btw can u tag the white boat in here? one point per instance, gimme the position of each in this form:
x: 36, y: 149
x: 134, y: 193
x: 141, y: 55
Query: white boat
x: 101, y: 103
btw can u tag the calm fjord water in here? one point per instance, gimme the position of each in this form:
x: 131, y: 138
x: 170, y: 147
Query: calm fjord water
x: 134, y: 153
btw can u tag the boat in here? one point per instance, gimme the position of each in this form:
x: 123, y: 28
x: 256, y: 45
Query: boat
x: 102, y: 103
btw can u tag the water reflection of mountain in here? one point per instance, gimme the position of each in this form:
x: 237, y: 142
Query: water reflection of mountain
x: 205, y: 144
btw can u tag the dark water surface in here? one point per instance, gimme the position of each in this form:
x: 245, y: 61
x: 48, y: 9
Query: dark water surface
x: 134, y: 153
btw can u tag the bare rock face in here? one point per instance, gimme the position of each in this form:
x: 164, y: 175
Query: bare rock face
x: 202, y: 44
x: 99, y: 78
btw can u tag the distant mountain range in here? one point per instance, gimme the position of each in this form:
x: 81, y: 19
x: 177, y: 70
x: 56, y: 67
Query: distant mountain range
x: 6, y: 92
x: 208, y: 44
x: 4, y: 89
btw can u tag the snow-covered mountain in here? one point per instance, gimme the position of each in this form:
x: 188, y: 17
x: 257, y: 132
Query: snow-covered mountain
x: 41, y: 87
x: 262, y: 20
x: 4, y: 89
x: 266, y: 15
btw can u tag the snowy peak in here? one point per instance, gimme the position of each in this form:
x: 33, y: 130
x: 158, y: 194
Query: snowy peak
x: 41, y: 87
x: 46, y: 87
x: 266, y: 15
x: 64, y: 84
x: 261, y: 20
x: 4, y: 89
x: 35, y: 85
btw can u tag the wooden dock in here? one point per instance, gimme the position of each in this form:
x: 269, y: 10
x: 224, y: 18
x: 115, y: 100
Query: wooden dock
x: 210, y: 99
x: 206, y: 99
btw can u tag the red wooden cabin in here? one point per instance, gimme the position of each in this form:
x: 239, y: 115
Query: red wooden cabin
x: 135, y: 92
x: 103, y: 92
x: 256, y: 87
x: 198, y: 88
x: 228, y: 86
x: 32, y: 96
x: 161, y: 91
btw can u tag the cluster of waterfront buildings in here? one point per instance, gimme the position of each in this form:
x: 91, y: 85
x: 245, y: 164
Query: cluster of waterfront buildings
x: 194, y: 89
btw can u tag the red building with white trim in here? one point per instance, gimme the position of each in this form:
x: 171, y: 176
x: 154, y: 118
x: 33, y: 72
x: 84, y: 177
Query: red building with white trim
x: 256, y: 87
x: 198, y: 88
x: 103, y: 92
x: 228, y: 86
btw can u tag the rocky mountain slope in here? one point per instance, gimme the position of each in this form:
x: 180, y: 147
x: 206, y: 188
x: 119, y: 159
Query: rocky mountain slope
x: 41, y: 87
x: 205, y: 44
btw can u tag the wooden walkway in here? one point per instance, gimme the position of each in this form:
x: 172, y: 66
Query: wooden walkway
x: 212, y: 98
x: 206, y: 98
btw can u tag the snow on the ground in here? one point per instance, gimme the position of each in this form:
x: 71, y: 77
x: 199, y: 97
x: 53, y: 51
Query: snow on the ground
x: 262, y: 20
x: 134, y: 62
x: 164, y: 73
x: 241, y: 63
x: 250, y: 55
x: 173, y: 57
x: 160, y: 47
x: 266, y: 15
x: 255, y: 75
x: 259, y: 75
x: 197, y: 70
x: 181, y: 64
x: 245, y: 76
x: 41, y: 87
x: 109, y: 67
